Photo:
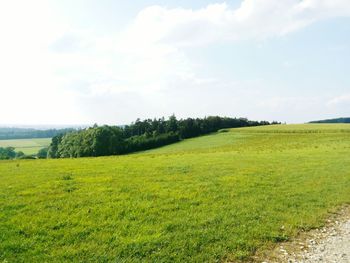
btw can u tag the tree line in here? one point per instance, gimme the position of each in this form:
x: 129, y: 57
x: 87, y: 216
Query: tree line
x: 138, y: 136
x: 337, y: 120
x: 9, y: 153
x: 25, y: 133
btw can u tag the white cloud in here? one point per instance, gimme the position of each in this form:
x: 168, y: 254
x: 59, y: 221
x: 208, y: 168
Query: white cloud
x: 254, y: 19
x: 144, y: 69
x: 150, y: 52
x: 154, y: 64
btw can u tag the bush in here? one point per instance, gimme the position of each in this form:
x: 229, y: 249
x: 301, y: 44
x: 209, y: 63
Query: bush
x: 7, y: 153
x: 19, y: 155
x: 142, y: 143
x: 42, y: 153
x: 29, y: 157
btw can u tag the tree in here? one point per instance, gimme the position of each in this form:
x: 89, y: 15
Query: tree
x: 42, y: 153
x: 19, y: 154
x: 7, y: 153
x: 171, y: 124
x: 53, y: 148
x: 138, y: 136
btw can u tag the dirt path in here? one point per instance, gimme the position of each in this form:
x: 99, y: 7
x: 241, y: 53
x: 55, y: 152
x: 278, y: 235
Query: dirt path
x: 328, y: 244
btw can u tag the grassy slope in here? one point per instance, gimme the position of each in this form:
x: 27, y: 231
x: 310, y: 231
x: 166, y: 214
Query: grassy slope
x: 218, y: 197
x: 28, y: 146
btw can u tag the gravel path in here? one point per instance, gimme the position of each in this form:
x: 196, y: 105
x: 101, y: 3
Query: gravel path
x: 334, y: 247
x: 329, y: 244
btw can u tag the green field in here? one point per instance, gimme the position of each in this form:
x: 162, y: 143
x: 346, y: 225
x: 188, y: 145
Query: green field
x: 27, y: 146
x: 221, y: 197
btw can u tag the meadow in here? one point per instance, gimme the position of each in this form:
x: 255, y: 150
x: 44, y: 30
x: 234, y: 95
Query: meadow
x: 27, y: 146
x: 220, y: 197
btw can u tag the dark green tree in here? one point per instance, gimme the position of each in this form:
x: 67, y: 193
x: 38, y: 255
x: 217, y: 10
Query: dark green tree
x: 42, y: 153
x: 19, y: 154
x: 7, y: 153
x: 53, y: 148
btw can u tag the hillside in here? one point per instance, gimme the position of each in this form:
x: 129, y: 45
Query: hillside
x: 27, y: 146
x: 337, y: 120
x: 219, y: 197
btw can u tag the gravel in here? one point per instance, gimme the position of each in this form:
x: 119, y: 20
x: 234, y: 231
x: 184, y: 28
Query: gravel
x: 328, y: 244
x: 334, y: 246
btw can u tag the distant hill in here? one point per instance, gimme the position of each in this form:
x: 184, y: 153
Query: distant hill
x: 23, y: 133
x: 337, y: 120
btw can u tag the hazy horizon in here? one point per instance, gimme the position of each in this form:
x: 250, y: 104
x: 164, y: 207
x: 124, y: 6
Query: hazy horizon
x: 111, y: 62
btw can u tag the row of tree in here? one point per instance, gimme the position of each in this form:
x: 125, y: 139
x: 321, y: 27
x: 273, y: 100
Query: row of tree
x: 140, y: 135
x: 25, y: 133
x: 9, y: 153
x: 186, y: 128
x: 337, y: 120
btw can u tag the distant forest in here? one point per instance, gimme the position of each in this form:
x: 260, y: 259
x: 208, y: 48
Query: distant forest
x: 338, y: 120
x: 24, y: 133
x: 139, y: 136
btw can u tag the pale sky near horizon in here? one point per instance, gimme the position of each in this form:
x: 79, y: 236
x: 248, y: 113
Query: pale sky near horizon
x: 111, y: 61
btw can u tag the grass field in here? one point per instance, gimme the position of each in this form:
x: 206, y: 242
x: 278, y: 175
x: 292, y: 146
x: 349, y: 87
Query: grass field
x: 220, y: 197
x: 27, y: 146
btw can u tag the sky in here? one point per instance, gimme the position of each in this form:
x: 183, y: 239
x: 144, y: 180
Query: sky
x: 112, y: 61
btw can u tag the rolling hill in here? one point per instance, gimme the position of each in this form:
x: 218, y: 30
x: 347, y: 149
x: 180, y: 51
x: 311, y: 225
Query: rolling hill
x: 337, y: 120
x: 220, y: 197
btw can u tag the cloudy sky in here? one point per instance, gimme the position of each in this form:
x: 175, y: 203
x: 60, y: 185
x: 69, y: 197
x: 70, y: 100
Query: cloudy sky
x: 112, y: 61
